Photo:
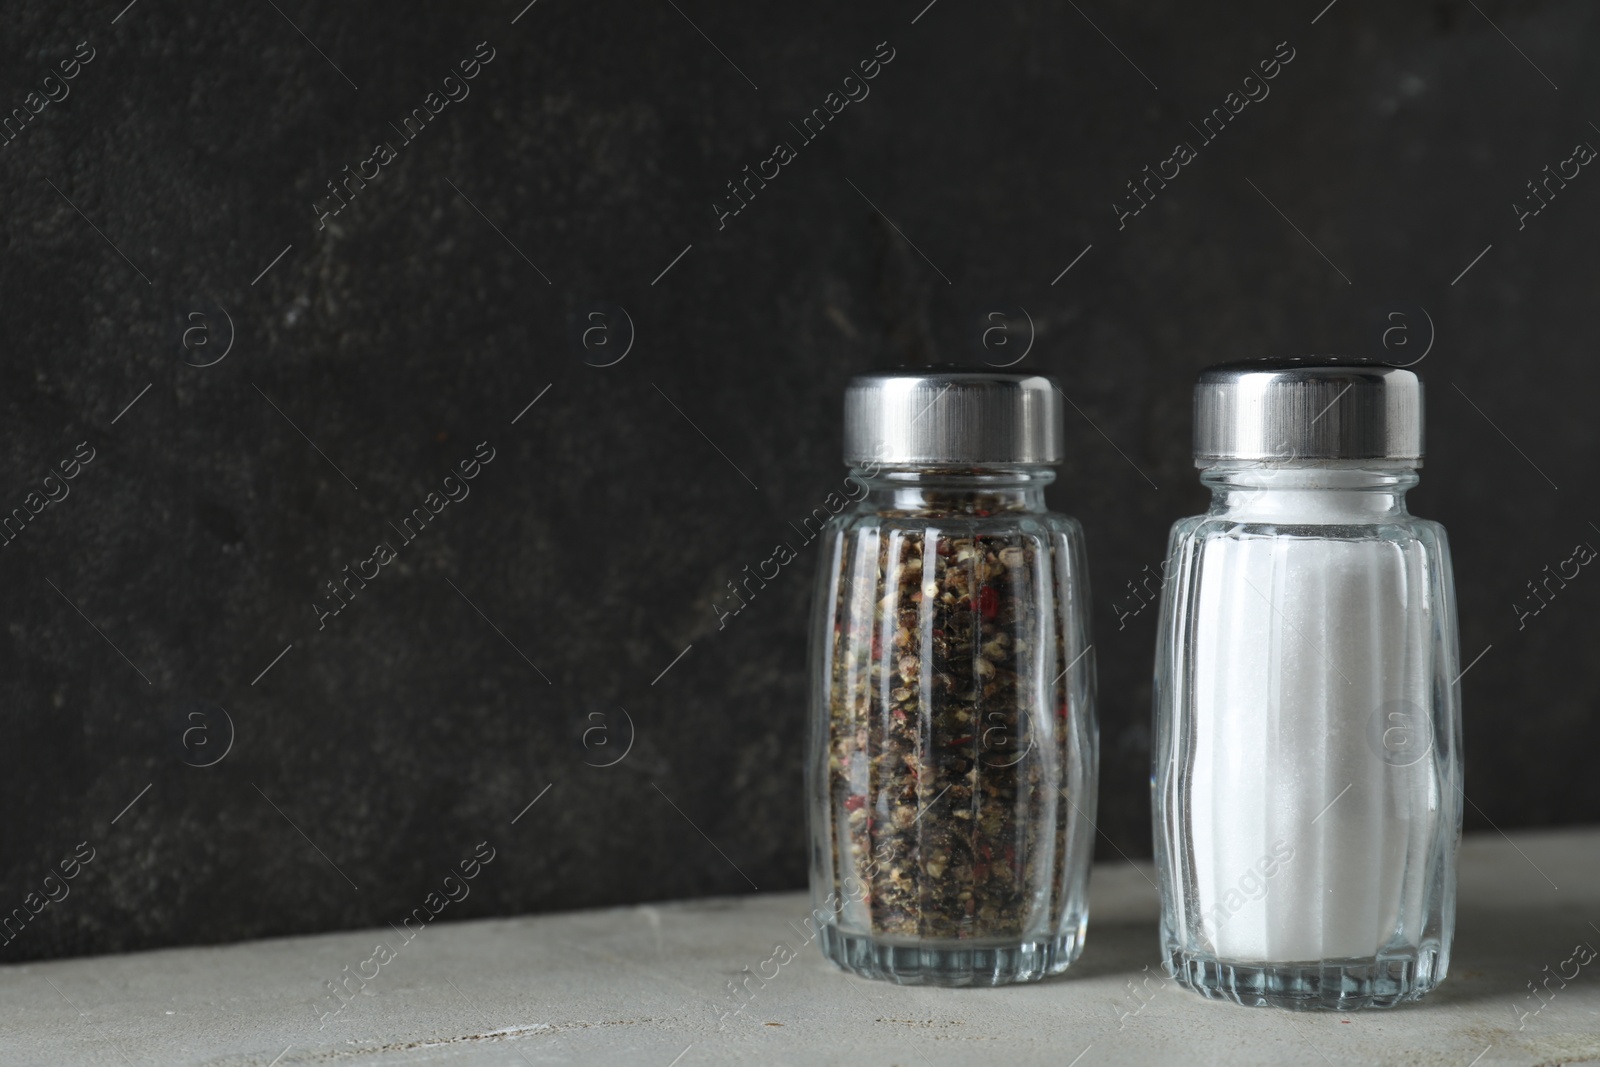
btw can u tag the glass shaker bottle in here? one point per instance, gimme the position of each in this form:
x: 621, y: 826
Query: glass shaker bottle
x: 1307, y: 757
x: 953, y: 747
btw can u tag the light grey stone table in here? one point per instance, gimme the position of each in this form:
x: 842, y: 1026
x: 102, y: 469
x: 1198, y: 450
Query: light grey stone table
x: 649, y: 986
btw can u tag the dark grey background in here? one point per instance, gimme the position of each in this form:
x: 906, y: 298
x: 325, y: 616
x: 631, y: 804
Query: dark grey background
x: 595, y: 143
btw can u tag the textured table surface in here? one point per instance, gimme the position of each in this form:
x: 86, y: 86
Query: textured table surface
x: 648, y: 986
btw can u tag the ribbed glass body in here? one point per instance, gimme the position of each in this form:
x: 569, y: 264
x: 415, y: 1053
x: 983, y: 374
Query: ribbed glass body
x: 1307, y: 760
x: 952, y: 752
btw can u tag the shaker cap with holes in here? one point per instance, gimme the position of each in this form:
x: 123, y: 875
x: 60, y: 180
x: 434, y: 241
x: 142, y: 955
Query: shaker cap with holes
x: 942, y: 417
x: 1305, y: 410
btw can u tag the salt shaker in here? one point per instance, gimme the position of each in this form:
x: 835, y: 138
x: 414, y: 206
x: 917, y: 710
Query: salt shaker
x: 1307, y: 759
x: 953, y: 746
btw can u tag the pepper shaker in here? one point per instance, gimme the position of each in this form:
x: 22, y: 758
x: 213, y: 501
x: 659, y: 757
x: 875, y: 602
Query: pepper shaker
x: 953, y: 747
x: 1307, y: 759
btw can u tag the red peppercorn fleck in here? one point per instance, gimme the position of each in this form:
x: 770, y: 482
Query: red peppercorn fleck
x: 853, y: 803
x: 988, y: 602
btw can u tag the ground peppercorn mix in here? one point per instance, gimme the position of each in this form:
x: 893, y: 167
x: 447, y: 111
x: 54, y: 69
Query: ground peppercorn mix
x: 952, y: 772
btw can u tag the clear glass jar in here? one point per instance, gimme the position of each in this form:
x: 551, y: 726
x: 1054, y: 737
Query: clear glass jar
x: 952, y: 751
x: 1307, y: 766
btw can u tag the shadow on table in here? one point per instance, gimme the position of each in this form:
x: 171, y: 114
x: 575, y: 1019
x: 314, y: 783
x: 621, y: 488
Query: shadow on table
x: 1117, y: 947
x: 1497, y: 952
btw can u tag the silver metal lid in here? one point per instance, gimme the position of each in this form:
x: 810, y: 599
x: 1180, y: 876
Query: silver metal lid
x: 941, y: 418
x: 1317, y: 408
